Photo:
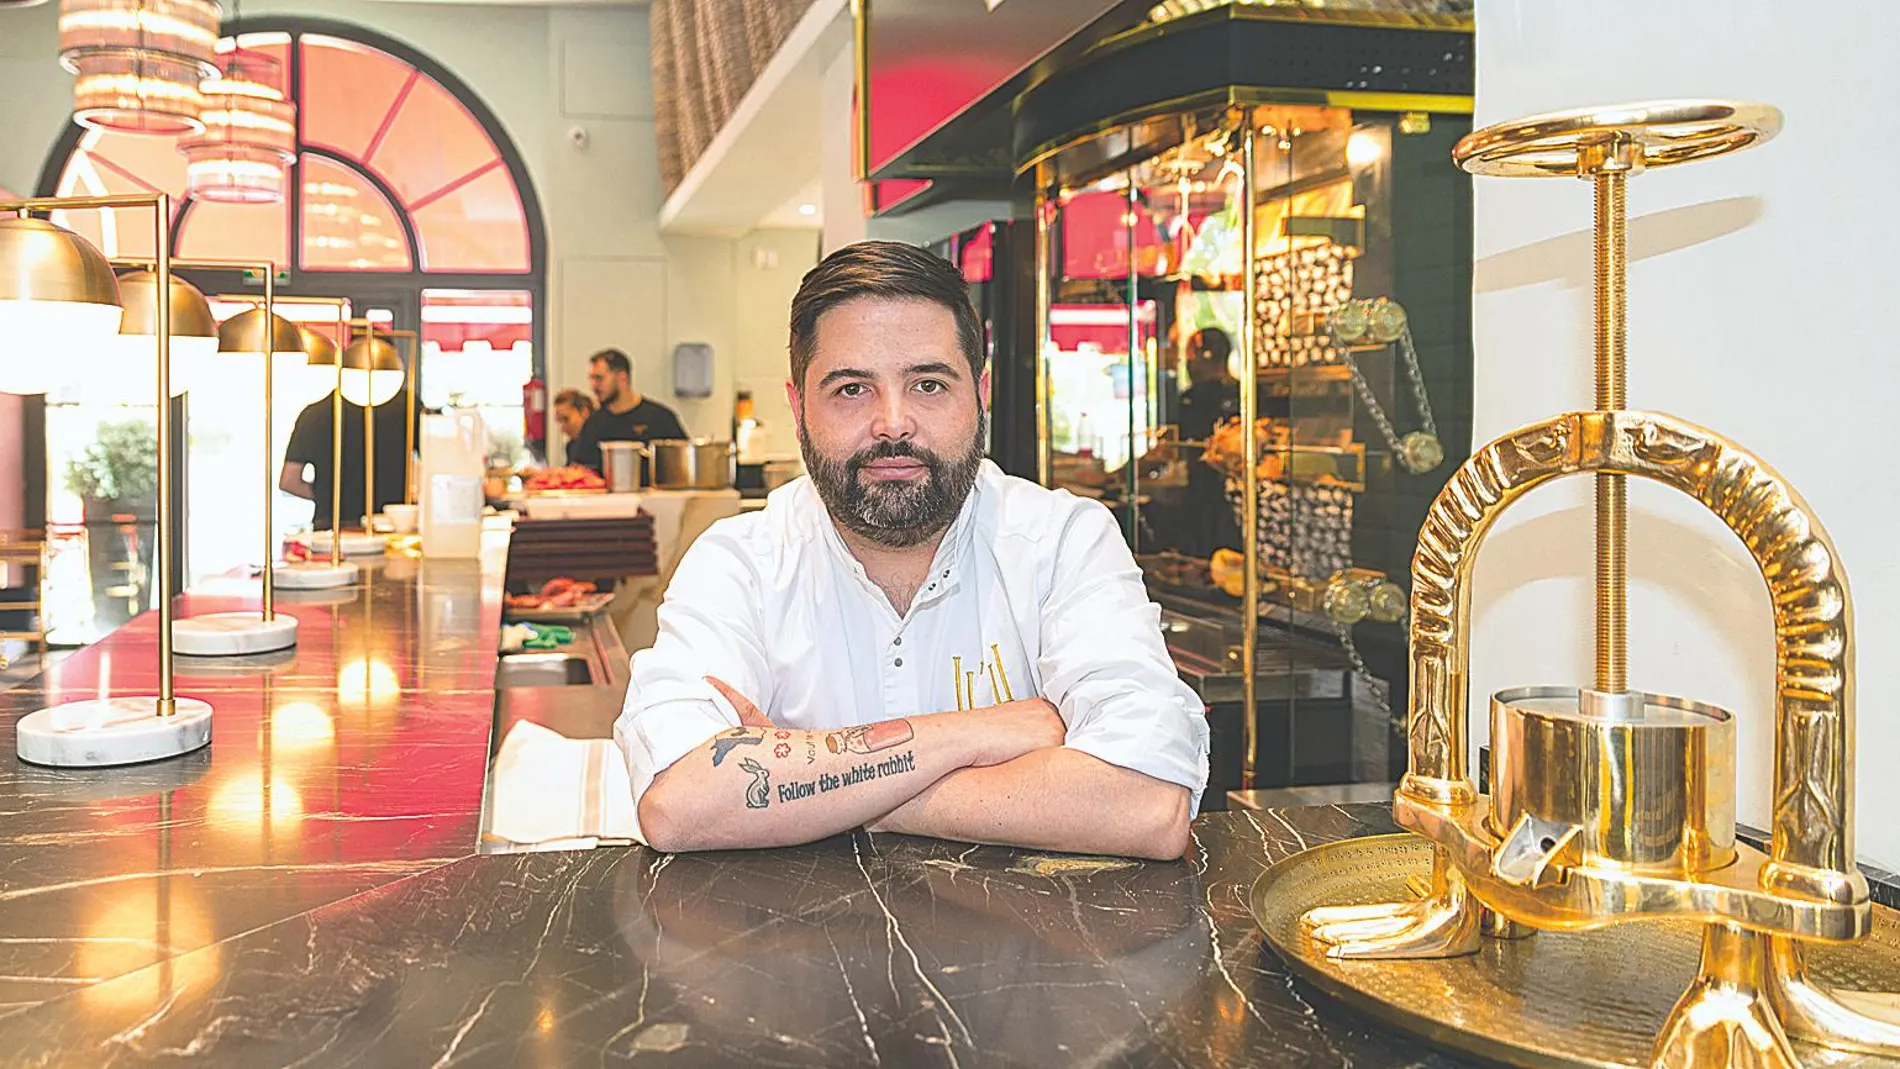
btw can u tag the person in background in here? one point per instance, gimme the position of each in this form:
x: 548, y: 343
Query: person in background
x: 908, y: 639
x: 1212, y: 398
x: 310, y: 448
x: 571, y: 409
x: 623, y: 416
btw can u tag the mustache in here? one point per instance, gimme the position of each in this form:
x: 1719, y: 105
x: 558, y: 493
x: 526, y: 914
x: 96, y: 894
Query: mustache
x: 890, y: 450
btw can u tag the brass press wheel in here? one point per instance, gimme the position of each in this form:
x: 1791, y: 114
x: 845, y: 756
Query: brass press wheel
x: 1626, y: 137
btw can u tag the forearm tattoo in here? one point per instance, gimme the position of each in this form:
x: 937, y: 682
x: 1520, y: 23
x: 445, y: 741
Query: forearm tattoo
x: 723, y: 744
x: 869, y: 738
x: 862, y: 739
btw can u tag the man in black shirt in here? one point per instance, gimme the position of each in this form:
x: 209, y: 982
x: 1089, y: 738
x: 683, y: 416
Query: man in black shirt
x: 1212, y: 398
x: 310, y: 444
x: 623, y: 415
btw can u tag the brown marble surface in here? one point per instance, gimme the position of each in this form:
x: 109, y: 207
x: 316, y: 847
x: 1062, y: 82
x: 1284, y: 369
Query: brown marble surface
x: 307, y: 892
x: 859, y: 950
x: 355, y: 759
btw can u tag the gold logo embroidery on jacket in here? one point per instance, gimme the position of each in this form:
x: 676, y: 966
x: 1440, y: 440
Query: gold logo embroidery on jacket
x: 990, y: 668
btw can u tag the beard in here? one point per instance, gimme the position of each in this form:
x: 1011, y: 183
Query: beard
x: 897, y: 514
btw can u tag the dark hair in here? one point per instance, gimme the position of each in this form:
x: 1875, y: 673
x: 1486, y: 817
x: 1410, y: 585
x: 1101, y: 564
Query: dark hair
x: 574, y: 399
x: 1211, y: 343
x: 615, y: 361
x: 881, y: 269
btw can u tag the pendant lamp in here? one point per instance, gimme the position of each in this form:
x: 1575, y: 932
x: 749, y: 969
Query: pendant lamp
x: 249, y: 136
x: 139, y: 62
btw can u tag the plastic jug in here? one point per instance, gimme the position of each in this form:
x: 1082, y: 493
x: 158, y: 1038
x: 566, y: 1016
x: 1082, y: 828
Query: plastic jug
x: 454, y: 459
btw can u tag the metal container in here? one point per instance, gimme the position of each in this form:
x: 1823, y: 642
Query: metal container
x: 780, y: 472
x: 1647, y: 782
x: 698, y: 464
x: 620, y: 465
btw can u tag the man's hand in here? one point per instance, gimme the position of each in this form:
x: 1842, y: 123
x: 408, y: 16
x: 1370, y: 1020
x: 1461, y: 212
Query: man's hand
x: 1055, y: 798
x: 1013, y: 729
x: 749, y: 714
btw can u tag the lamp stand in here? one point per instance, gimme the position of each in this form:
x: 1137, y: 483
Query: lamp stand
x: 335, y: 572
x: 128, y: 730
x: 236, y: 634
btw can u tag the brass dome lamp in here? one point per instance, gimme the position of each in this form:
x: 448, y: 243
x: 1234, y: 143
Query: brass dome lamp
x: 57, y: 295
x: 52, y: 278
x: 194, y: 331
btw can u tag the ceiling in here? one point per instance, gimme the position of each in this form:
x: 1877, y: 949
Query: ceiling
x: 765, y: 161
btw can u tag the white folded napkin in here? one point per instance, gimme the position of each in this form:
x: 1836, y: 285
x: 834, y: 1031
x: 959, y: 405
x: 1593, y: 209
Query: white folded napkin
x: 550, y: 787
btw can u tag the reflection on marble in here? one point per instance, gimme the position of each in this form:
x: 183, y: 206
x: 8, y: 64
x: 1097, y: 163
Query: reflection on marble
x: 860, y: 950
x: 355, y: 759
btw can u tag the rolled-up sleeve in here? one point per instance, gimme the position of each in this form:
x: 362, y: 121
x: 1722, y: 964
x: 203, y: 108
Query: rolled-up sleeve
x: 707, y: 627
x: 1104, y: 663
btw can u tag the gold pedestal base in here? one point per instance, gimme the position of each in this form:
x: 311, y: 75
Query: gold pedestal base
x: 1598, y: 999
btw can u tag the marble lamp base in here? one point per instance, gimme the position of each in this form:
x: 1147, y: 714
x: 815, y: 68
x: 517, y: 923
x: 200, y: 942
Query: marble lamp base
x: 313, y: 575
x: 233, y: 634
x: 112, y: 731
x: 355, y: 543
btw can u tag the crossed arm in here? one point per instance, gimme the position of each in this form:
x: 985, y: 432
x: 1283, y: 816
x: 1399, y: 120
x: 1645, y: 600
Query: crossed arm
x: 994, y: 775
x: 1001, y: 774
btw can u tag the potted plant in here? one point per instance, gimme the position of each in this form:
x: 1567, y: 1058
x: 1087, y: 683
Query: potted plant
x: 118, y: 473
x: 116, y: 479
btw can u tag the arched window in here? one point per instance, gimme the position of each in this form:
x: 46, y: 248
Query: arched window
x: 406, y: 196
x: 400, y: 169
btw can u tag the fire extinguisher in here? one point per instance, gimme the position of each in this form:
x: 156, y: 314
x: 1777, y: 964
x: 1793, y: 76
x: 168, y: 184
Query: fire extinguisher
x: 534, y: 411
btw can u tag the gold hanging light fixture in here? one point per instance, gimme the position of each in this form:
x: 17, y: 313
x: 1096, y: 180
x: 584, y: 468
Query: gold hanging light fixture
x: 249, y: 136
x: 139, y: 62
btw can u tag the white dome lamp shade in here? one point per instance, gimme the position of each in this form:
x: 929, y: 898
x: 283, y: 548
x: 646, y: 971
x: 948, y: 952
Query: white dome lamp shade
x: 290, y: 350
x: 372, y: 371
x: 58, y: 299
x: 132, y: 354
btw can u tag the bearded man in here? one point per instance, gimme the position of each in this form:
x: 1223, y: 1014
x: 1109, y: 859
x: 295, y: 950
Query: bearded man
x: 907, y: 639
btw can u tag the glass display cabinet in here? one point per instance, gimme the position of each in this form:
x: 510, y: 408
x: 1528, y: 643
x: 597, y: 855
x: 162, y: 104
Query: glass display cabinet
x: 1304, y: 269
x: 1235, y: 309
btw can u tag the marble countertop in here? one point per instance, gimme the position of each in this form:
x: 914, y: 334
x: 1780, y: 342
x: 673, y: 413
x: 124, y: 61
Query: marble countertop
x: 308, y: 892
x: 355, y: 759
x: 860, y: 950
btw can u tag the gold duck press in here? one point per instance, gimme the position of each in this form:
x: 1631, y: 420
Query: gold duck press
x: 1609, y: 836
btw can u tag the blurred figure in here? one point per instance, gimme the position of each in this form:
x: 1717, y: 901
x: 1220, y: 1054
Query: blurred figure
x: 571, y: 409
x: 623, y: 416
x: 1212, y: 397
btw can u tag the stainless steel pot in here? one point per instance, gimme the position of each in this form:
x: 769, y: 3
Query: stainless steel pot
x: 620, y: 463
x: 699, y: 464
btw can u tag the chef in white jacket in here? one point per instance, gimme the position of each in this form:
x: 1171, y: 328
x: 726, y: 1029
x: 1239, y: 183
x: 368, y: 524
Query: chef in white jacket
x: 907, y: 639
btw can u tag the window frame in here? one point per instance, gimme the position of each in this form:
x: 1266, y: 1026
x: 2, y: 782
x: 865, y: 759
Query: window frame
x: 320, y: 281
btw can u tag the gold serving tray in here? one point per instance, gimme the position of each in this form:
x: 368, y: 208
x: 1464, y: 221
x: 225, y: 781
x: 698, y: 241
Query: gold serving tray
x: 1595, y: 999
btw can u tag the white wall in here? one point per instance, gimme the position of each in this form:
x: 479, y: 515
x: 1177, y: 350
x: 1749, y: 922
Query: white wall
x: 1755, y: 281
x: 768, y: 267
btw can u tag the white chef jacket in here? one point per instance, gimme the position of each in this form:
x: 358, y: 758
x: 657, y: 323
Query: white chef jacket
x: 1032, y: 592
